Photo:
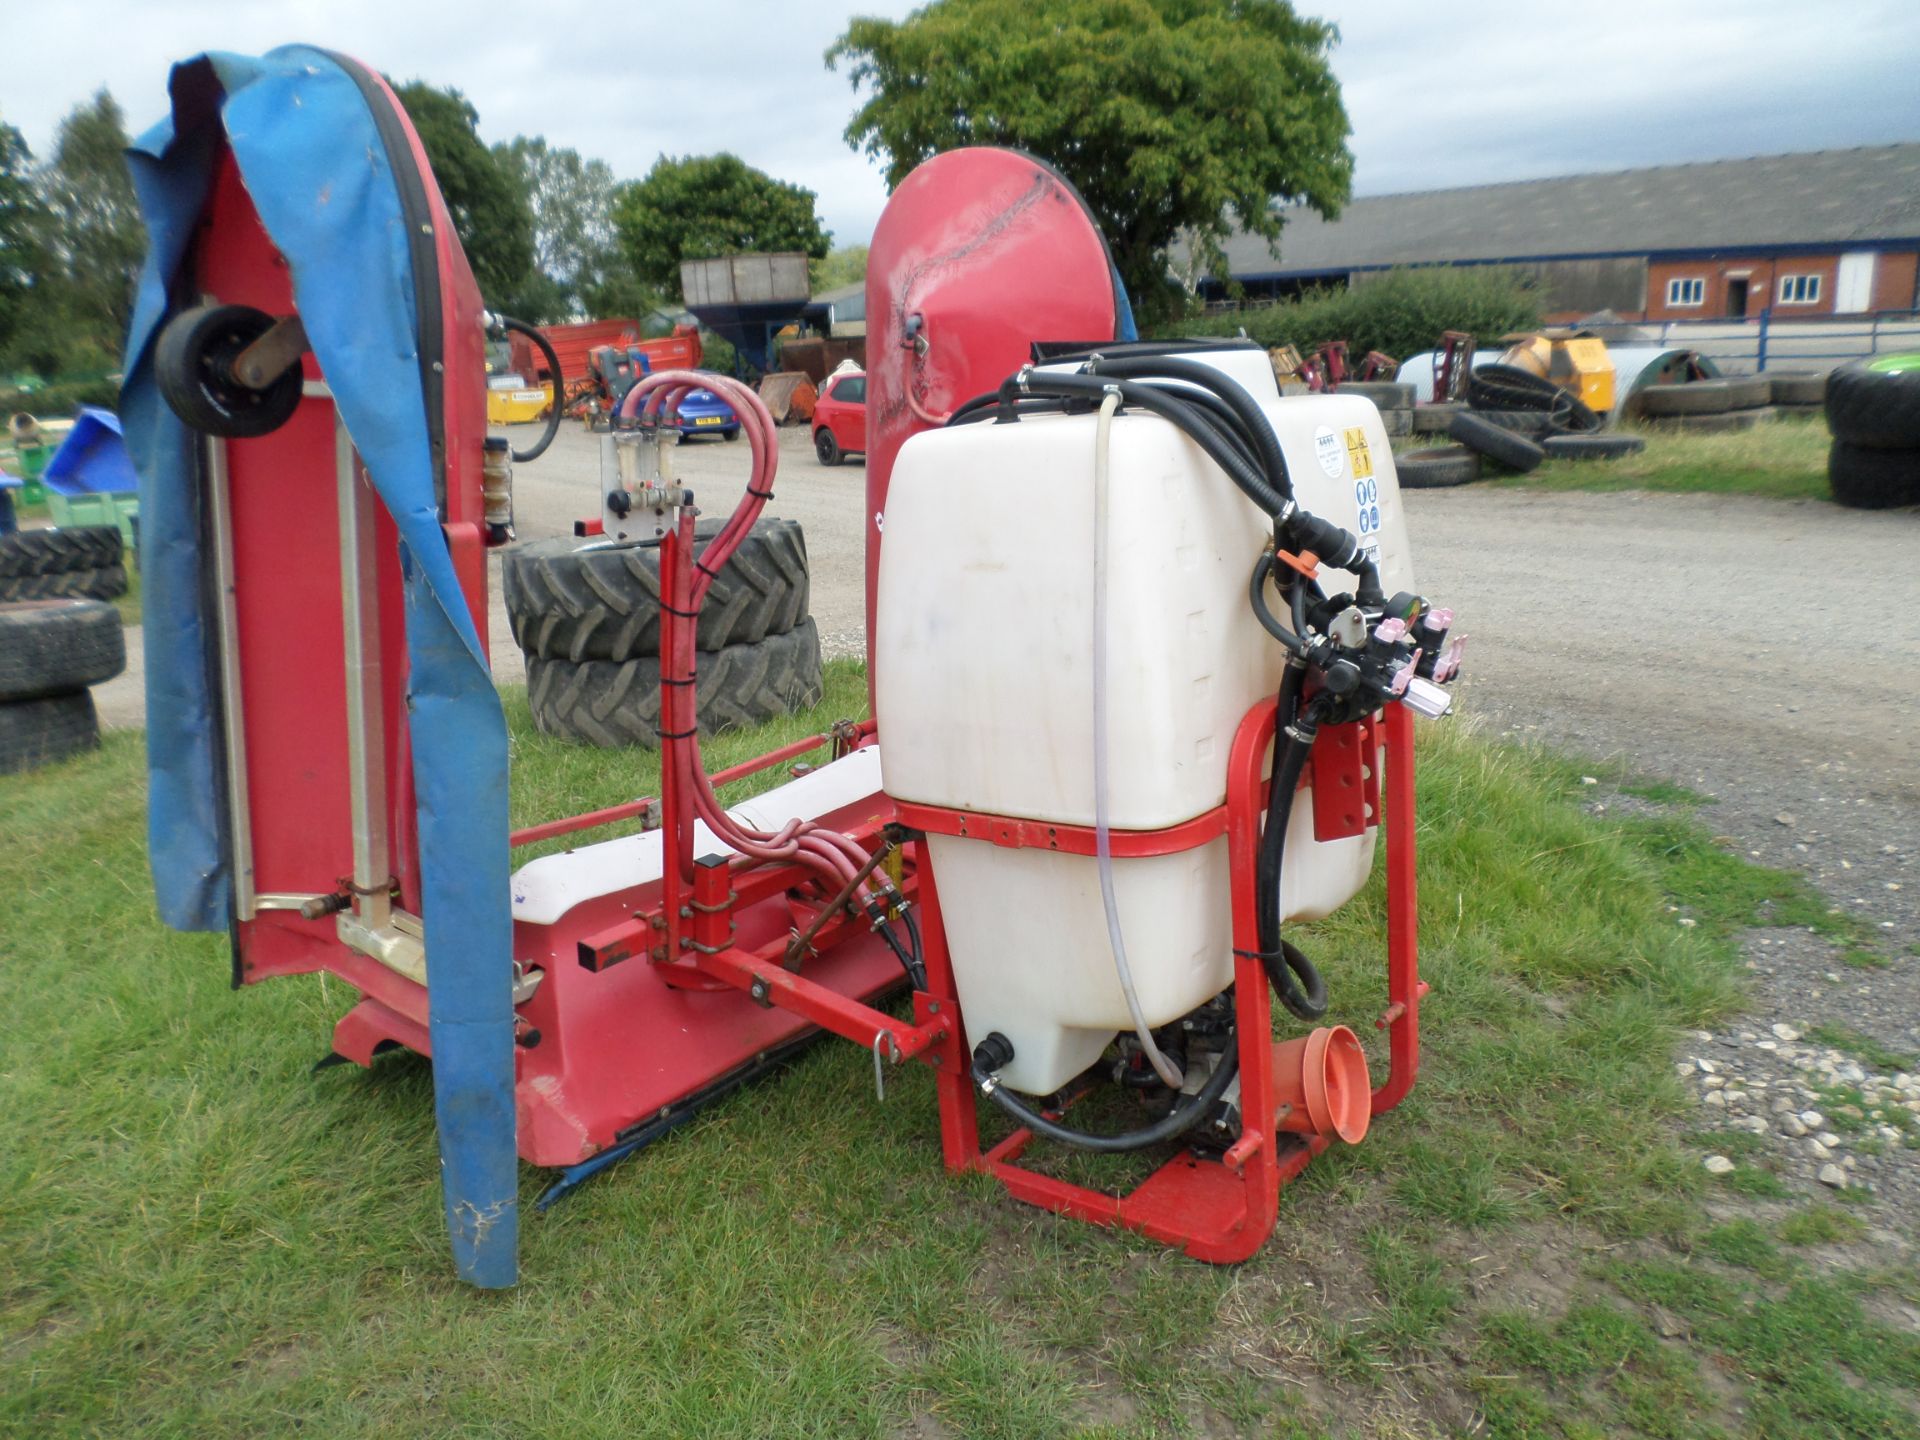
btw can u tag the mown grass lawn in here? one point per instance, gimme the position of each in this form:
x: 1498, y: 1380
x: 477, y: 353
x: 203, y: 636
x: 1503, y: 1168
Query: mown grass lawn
x: 198, y: 1236
x: 1784, y: 460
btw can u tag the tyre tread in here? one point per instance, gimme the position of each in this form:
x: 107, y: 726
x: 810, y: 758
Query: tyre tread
x: 614, y: 704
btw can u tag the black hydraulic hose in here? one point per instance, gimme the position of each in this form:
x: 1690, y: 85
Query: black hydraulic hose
x: 996, y: 407
x: 1257, y: 597
x: 1197, y: 423
x: 1177, y: 1121
x: 991, y: 407
x: 521, y: 457
x: 1206, y: 377
x: 1224, y: 416
x: 1306, y: 995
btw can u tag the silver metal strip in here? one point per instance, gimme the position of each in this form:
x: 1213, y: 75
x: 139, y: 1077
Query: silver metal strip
x: 239, y: 811
x: 366, y: 724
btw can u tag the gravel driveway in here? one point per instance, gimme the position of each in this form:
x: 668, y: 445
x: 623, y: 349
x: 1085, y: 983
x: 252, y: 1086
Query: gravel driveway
x: 1765, y: 653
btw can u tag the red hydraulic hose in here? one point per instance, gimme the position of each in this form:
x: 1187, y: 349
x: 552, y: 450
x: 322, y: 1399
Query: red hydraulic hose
x: 834, y: 856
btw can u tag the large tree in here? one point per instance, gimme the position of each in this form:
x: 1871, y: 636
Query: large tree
x: 1174, y: 118
x: 23, y: 233
x: 579, y: 268
x: 96, y: 237
x: 705, y: 205
x: 843, y: 266
x: 490, y: 211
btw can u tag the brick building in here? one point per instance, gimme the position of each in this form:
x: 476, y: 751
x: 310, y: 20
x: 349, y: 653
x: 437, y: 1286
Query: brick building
x: 1826, y: 232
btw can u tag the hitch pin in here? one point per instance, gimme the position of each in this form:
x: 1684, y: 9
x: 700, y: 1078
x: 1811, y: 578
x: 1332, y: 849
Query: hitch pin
x: 879, y: 1071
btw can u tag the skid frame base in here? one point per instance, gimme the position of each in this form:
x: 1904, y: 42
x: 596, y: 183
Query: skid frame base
x: 1218, y: 1209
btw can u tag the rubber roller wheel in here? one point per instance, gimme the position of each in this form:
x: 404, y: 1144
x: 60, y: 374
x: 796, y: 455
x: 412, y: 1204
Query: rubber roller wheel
x: 193, y: 365
x: 1503, y: 447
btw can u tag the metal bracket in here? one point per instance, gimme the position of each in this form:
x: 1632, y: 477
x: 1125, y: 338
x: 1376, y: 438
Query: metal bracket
x: 268, y: 358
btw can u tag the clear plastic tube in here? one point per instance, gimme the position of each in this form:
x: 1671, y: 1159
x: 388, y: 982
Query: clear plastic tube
x: 1102, y: 821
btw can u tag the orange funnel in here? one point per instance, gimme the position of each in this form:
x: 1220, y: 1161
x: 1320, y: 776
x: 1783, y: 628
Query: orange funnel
x: 1322, y: 1080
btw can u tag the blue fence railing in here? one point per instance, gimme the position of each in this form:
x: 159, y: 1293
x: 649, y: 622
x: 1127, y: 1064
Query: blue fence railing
x: 1768, y: 343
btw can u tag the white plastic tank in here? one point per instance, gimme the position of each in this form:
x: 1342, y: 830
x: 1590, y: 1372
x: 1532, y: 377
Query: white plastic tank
x: 984, y: 697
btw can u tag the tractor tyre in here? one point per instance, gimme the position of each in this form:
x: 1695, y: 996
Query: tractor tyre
x: 602, y: 602
x: 38, y: 732
x: 1499, y: 445
x: 1434, y: 419
x: 1697, y: 397
x: 1592, y: 447
x: 1876, y: 402
x: 1520, y: 422
x: 1719, y: 423
x: 1387, y: 394
x: 49, y: 552
x: 48, y: 647
x: 1797, y: 387
x: 1865, y: 477
x: 107, y: 583
x: 600, y: 702
x: 1438, y: 468
x: 1508, y: 387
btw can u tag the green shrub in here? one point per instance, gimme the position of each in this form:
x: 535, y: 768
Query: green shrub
x: 717, y: 352
x: 1400, y: 314
x: 61, y: 398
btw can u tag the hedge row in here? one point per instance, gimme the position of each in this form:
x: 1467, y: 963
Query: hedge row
x: 60, y: 398
x: 1400, y: 314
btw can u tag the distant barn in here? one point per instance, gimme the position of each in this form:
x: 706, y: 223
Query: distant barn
x: 1828, y: 232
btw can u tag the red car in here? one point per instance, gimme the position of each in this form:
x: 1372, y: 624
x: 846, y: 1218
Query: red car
x: 840, y: 417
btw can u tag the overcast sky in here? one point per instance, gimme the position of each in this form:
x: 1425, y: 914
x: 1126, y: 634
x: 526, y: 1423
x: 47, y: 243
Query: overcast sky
x: 1439, y: 93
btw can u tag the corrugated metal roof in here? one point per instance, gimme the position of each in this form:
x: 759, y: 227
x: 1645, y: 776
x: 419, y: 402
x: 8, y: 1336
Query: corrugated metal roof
x: 1814, y: 198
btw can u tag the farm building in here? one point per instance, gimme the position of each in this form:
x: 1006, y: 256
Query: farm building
x: 1826, y: 232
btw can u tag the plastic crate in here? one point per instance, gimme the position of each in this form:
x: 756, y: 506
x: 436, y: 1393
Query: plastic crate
x: 109, y: 509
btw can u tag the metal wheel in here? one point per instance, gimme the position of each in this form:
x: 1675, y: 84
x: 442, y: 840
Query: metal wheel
x: 193, y: 365
x: 826, y: 447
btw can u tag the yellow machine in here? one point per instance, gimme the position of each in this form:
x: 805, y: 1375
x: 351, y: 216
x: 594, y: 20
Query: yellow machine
x: 1576, y: 360
x: 511, y: 401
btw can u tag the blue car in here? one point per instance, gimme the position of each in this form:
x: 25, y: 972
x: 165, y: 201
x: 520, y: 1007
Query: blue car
x: 705, y: 413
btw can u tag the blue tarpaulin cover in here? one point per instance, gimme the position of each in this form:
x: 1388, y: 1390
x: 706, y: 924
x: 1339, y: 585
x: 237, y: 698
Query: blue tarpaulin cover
x: 299, y: 126
x: 92, y: 460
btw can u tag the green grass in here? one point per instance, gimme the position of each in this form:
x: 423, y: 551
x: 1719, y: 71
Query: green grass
x: 1864, y: 1048
x: 1666, y: 792
x: 1786, y: 460
x: 129, y: 604
x: 1820, y: 1225
x: 202, y: 1237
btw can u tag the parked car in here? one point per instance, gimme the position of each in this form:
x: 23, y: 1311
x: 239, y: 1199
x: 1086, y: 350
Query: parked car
x: 840, y: 417
x: 704, y: 413
x: 616, y: 370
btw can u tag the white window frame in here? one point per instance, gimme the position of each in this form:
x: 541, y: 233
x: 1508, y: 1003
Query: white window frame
x: 1799, y: 289
x: 1680, y: 287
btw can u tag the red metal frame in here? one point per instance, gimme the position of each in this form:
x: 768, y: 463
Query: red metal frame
x: 624, y: 1045
x: 1216, y: 1210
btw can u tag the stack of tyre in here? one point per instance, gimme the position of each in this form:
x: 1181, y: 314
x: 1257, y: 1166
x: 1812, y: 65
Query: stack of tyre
x: 587, y: 617
x: 71, y: 562
x: 1873, y: 410
x: 1395, y: 402
x: 1514, y: 420
x: 51, y: 650
x: 1797, y: 392
x: 1727, y: 402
